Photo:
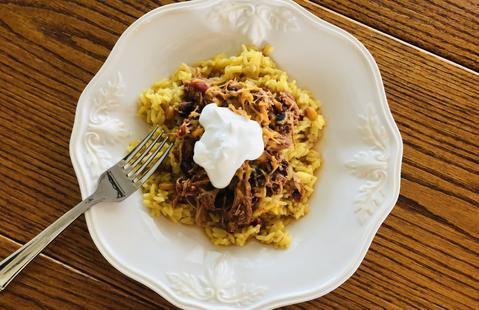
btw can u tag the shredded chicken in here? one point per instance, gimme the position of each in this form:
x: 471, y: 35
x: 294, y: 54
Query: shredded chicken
x: 266, y: 176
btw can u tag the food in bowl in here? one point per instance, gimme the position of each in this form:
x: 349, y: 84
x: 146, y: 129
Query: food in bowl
x: 271, y: 187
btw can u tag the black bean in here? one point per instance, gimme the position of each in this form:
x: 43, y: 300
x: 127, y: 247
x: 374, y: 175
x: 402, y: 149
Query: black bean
x: 296, y: 194
x: 186, y: 166
x: 280, y: 116
x: 185, y: 108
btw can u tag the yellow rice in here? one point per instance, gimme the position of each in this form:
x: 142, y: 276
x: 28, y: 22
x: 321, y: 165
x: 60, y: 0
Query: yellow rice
x: 251, y: 66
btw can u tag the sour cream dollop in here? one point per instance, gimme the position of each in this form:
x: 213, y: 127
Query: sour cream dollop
x: 229, y: 139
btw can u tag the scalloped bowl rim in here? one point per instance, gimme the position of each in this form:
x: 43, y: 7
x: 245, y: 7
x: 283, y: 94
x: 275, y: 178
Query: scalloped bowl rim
x: 284, y: 300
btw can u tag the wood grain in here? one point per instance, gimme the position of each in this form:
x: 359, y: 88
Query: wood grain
x: 425, y: 254
x: 449, y: 28
x: 49, y: 284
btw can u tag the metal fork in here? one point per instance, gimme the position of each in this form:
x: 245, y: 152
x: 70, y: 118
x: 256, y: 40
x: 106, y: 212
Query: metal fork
x: 115, y: 184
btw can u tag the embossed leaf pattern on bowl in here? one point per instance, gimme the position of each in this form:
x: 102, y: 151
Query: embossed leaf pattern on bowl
x: 103, y: 127
x: 219, y: 284
x: 253, y: 20
x: 370, y: 165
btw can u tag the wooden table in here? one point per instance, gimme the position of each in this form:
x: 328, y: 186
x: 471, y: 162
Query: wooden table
x: 425, y: 255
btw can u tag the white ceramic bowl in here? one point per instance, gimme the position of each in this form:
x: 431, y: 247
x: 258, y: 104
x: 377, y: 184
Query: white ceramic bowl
x: 358, y: 183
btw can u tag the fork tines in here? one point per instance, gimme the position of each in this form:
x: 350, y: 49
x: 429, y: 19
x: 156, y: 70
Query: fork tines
x: 145, y: 158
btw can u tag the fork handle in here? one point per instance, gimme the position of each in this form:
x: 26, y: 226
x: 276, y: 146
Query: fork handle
x: 13, y: 264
